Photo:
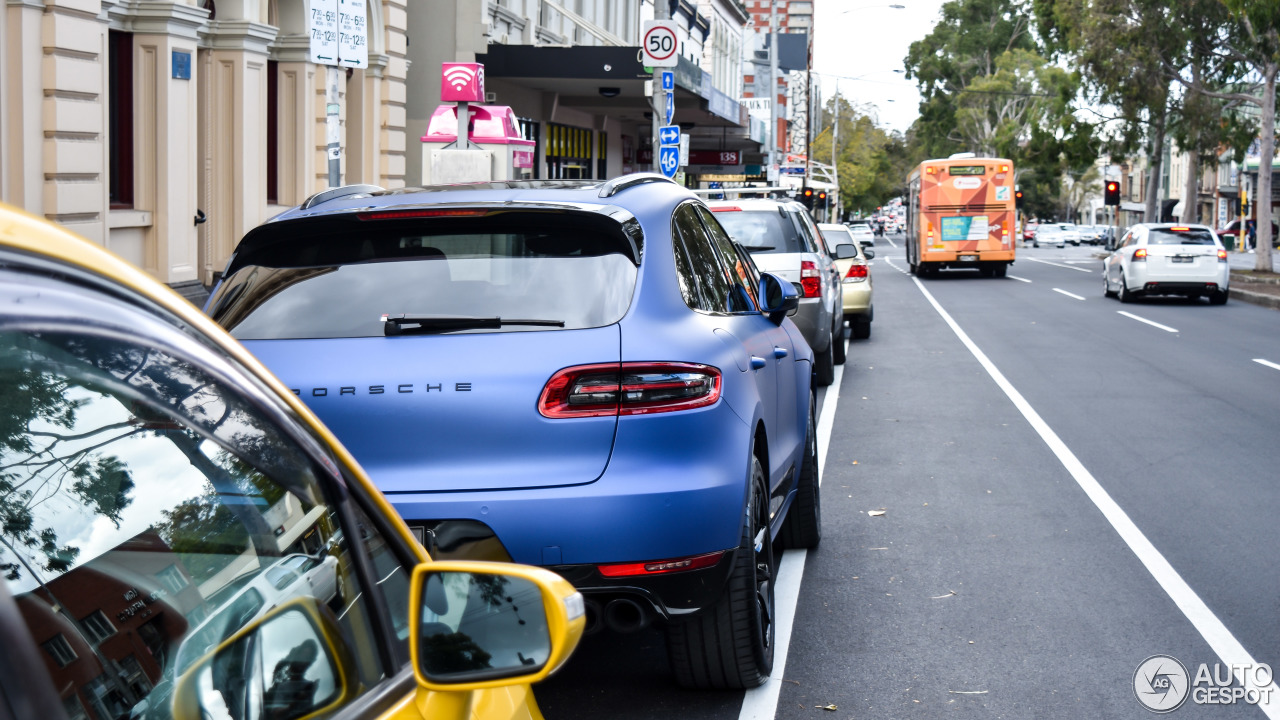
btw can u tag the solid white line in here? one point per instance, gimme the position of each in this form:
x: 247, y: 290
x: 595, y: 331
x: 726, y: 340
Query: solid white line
x: 1166, y: 328
x: 895, y: 267
x: 894, y: 244
x: 1268, y: 363
x: 1068, y: 294
x: 1220, y: 639
x: 762, y: 703
x: 1069, y: 267
x: 1019, y: 279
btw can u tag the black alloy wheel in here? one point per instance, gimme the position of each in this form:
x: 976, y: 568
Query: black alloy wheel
x: 730, y: 645
x: 802, y: 528
x: 837, y: 341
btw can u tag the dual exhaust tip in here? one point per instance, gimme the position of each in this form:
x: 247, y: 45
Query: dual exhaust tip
x: 621, y: 615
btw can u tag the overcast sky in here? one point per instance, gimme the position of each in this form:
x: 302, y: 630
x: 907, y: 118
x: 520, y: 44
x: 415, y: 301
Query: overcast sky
x: 868, y: 40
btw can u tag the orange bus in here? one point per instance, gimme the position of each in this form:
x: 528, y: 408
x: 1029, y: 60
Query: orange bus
x: 961, y: 214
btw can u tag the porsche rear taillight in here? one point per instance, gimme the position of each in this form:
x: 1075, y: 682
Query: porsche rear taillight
x: 628, y: 389
x: 857, y: 273
x: 810, y: 279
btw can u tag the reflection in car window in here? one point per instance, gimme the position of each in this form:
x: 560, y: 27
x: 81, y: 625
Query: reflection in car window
x: 706, y: 282
x: 146, y: 510
x: 762, y: 231
x: 1170, y: 236
x: 743, y: 298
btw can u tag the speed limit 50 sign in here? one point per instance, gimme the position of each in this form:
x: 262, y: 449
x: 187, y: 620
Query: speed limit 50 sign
x: 660, y: 44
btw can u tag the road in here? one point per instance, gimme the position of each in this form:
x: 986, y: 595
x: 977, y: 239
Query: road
x: 1052, y: 514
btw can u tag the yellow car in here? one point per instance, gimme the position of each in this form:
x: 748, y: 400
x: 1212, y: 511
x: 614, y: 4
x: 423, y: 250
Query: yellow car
x: 855, y: 276
x: 181, y: 538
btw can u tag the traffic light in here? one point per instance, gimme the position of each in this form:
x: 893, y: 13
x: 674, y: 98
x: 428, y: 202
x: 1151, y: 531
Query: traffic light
x: 1017, y: 199
x: 806, y: 197
x: 1112, y: 194
x: 822, y: 196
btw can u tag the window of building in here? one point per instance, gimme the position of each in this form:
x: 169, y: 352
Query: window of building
x: 120, y: 118
x: 568, y: 152
x: 273, y: 133
x: 97, y: 626
x: 60, y: 650
x: 74, y: 708
x: 172, y: 579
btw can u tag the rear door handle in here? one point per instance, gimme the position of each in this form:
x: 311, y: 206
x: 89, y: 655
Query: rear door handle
x: 758, y: 363
x: 779, y: 352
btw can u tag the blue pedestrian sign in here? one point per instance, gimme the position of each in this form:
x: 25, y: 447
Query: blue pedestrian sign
x: 669, y: 135
x: 671, y: 106
x: 669, y: 160
x: 668, y: 80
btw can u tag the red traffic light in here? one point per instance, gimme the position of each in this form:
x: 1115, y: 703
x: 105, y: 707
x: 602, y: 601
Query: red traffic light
x: 1111, y: 196
x: 808, y: 192
x: 822, y: 194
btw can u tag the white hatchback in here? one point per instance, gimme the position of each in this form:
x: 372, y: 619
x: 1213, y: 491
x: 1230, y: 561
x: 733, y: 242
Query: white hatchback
x: 1167, y: 259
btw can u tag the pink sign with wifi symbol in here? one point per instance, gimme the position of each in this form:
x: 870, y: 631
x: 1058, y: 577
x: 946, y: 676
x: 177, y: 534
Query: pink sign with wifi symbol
x: 462, y: 82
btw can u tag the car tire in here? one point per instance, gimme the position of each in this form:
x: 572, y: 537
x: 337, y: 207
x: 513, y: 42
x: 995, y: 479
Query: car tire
x: 1220, y: 297
x: 1106, y: 285
x: 1123, y: 293
x: 837, y: 343
x: 729, y: 646
x: 802, y: 528
x: 824, y: 366
x: 861, y: 327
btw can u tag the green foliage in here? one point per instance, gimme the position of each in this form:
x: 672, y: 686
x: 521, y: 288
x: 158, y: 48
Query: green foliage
x: 871, y: 162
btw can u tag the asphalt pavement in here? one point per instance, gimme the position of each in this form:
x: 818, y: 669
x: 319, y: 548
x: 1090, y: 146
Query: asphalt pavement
x: 996, y: 583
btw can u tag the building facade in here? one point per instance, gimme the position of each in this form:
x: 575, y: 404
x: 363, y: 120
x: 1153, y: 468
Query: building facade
x: 166, y: 130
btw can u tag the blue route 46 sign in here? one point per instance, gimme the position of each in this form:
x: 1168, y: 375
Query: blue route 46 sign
x: 669, y: 160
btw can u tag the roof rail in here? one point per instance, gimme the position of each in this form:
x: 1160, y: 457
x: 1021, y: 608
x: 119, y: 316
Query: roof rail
x: 618, y: 184
x: 325, y: 196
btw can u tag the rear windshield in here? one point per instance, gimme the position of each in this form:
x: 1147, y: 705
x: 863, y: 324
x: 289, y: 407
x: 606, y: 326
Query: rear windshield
x: 838, y: 237
x: 762, y: 231
x: 1169, y: 236
x: 340, y: 278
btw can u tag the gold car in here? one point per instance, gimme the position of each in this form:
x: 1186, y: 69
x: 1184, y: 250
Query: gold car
x: 855, y: 276
x: 183, y: 539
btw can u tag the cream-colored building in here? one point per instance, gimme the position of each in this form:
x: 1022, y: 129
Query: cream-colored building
x: 129, y: 121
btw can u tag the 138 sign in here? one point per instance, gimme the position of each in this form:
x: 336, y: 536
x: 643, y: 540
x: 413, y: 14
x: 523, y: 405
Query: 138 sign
x: 660, y: 44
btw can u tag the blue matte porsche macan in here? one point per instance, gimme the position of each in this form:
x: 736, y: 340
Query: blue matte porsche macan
x: 590, y: 377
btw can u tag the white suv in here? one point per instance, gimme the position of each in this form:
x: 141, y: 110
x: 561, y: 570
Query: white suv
x: 1167, y: 259
x: 783, y: 239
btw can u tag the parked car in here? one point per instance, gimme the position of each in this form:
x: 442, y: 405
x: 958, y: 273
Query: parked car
x: 864, y: 237
x: 1091, y: 234
x: 1049, y: 235
x: 591, y: 377
x: 170, y: 578
x: 783, y: 239
x: 855, y: 275
x: 1167, y: 259
x: 1232, y: 230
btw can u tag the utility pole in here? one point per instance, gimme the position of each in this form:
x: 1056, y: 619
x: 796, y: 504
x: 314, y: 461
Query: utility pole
x: 661, y: 11
x: 835, y: 165
x: 773, y: 86
x: 332, y: 128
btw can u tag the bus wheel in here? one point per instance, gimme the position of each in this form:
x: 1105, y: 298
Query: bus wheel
x: 1002, y: 269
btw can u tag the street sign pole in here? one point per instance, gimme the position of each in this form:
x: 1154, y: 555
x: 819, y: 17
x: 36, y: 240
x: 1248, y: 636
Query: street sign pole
x: 332, y: 128
x: 659, y: 46
x: 338, y: 37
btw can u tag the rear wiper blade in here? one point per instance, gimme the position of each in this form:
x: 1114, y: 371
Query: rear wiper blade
x: 758, y: 248
x: 401, y: 324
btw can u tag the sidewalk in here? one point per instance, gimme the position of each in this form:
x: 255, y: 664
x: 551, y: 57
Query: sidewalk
x: 1248, y: 261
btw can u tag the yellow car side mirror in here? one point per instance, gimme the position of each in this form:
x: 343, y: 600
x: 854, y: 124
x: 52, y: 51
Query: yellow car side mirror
x: 290, y: 664
x: 479, y: 625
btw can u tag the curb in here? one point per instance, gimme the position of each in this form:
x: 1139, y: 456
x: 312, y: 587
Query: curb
x: 1247, y: 278
x: 1270, y: 301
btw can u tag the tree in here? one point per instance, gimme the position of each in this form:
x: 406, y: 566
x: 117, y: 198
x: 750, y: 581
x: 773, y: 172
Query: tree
x: 1248, y: 52
x: 867, y: 158
x: 39, y: 452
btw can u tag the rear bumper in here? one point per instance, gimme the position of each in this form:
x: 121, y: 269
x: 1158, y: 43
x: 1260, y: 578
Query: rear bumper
x: 1161, y: 283
x: 669, y: 596
x: 814, y: 323
x: 857, y: 298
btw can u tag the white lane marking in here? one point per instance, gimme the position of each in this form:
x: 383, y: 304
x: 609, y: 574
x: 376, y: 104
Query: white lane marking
x: 891, y: 242
x: 1268, y: 363
x: 1019, y: 279
x: 1068, y: 294
x: 1081, y: 262
x: 1069, y: 267
x: 891, y: 264
x: 762, y: 703
x: 1152, y: 323
x: 1220, y: 639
